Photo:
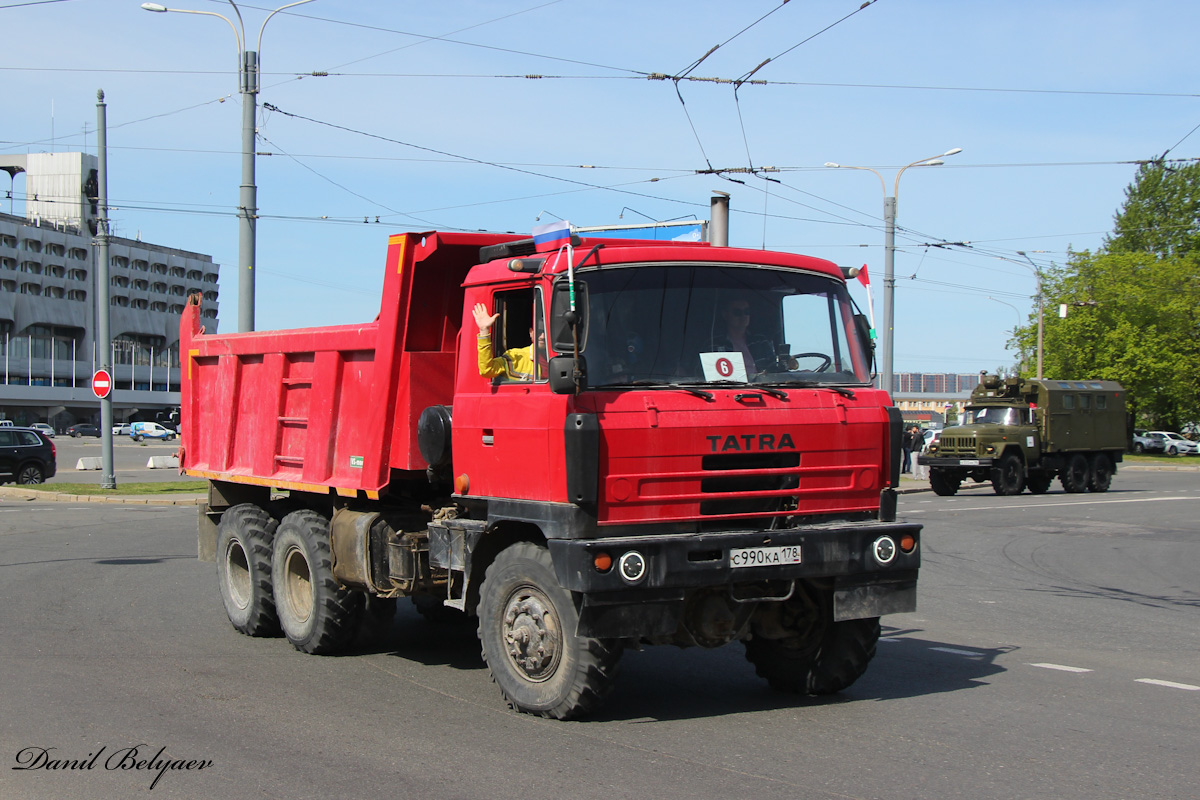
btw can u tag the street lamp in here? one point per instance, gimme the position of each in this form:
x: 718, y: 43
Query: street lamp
x: 248, y: 83
x: 1017, y: 311
x: 887, y: 379
x: 1037, y: 272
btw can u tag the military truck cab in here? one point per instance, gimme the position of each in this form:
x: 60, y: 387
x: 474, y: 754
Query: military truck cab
x: 1024, y: 433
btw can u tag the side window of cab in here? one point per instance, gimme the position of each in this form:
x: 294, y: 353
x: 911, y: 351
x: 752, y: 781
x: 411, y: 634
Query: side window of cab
x: 513, y: 355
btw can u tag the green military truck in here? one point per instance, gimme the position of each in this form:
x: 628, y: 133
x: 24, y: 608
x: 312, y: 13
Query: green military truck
x: 1021, y: 433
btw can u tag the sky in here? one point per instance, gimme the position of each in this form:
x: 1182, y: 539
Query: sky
x: 423, y: 117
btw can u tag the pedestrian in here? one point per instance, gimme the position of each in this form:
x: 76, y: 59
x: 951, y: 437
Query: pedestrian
x: 906, y: 443
x: 919, y: 470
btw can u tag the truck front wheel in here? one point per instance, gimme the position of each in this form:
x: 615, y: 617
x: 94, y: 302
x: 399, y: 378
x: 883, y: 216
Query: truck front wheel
x: 1009, y: 476
x: 822, y: 657
x: 527, y: 631
x: 317, y: 614
x: 244, y: 539
x: 1076, y: 475
x: 1102, y: 472
x: 943, y: 483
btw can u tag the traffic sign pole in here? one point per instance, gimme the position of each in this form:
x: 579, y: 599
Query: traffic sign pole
x: 108, y: 477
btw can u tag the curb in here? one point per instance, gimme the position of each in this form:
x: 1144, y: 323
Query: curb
x: 7, y: 493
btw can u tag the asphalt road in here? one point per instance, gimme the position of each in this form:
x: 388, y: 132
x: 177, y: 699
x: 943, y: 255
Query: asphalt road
x: 1055, y: 654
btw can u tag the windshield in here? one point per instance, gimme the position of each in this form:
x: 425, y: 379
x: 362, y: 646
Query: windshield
x: 696, y: 324
x: 995, y: 416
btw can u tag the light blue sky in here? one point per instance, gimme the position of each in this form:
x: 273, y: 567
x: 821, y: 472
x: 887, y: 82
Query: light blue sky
x: 1050, y: 101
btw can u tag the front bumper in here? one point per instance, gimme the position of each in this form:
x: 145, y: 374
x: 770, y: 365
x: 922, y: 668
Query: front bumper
x: 955, y: 461
x: 684, y: 561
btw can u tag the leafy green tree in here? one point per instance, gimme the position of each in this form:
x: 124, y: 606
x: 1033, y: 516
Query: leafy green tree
x: 1132, y: 317
x: 1161, y: 213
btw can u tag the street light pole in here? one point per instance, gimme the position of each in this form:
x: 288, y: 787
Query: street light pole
x: 1040, y: 302
x: 248, y: 85
x: 887, y: 377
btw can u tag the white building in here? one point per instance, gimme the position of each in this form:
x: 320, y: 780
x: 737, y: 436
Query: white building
x: 48, y: 298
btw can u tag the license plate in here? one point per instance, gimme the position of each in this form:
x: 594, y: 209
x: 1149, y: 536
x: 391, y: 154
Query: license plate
x: 764, y: 556
x: 970, y: 462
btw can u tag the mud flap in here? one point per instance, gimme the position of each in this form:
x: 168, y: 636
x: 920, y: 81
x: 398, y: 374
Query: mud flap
x: 873, y: 600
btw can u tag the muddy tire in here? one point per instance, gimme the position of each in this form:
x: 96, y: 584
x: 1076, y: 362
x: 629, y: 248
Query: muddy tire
x: 244, y: 541
x: 1102, y: 472
x: 527, y: 632
x: 317, y: 615
x: 943, y: 483
x: 825, y: 658
x: 1076, y: 476
x: 1009, y: 475
x: 1039, y: 482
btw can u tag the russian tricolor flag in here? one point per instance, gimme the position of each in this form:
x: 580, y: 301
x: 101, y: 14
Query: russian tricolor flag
x: 551, y: 236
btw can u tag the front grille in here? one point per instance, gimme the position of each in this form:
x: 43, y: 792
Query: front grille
x: 956, y: 445
x: 741, y: 479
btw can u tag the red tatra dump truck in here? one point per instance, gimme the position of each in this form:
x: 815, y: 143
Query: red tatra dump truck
x: 682, y: 446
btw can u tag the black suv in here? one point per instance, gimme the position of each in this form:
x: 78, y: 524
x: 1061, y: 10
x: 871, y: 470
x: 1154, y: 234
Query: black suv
x: 26, y: 456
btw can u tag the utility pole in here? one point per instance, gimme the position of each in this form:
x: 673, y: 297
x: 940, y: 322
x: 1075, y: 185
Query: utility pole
x: 108, y: 477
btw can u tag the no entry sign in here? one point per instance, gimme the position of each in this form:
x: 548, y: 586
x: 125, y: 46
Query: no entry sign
x: 101, y: 383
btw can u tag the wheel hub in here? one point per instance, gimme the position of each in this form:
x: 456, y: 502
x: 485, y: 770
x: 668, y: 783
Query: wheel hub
x: 532, y: 635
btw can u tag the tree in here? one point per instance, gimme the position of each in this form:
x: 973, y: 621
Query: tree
x: 1132, y: 318
x: 1161, y: 213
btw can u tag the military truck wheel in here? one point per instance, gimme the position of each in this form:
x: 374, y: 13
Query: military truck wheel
x: 1102, y: 472
x: 1076, y: 475
x: 943, y: 483
x: 317, y: 614
x: 244, y: 540
x: 1009, y: 476
x: 527, y: 631
x: 1039, y: 482
x: 822, y: 658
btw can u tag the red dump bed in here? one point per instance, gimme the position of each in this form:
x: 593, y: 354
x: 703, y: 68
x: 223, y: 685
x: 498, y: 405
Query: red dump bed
x: 320, y: 408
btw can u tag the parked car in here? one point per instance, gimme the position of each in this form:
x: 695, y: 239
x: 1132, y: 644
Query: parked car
x: 121, y: 429
x: 83, y: 429
x: 1174, y: 444
x: 43, y: 428
x: 1143, y: 442
x: 26, y: 456
x: 149, y: 430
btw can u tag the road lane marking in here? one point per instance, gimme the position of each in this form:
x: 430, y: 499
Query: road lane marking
x: 1169, y: 684
x: 1092, y: 501
x: 1061, y: 667
x: 954, y: 652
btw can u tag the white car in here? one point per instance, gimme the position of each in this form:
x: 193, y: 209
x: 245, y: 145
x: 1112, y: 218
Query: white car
x: 44, y: 429
x: 1174, y: 444
x: 121, y: 429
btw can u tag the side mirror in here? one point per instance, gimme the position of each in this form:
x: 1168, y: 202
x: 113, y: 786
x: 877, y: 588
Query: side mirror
x: 567, y: 373
x: 863, y: 328
x: 561, y: 337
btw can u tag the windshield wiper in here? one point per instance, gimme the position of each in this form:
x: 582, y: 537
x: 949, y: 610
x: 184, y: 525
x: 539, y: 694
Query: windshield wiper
x: 842, y: 390
x: 659, y: 384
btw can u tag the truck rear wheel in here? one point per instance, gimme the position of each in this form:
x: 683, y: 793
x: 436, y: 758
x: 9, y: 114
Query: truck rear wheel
x: 244, y: 540
x: 527, y: 631
x: 943, y: 482
x: 317, y: 614
x: 1009, y: 476
x: 1102, y: 472
x: 1076, y: 475
x: 824, y: 657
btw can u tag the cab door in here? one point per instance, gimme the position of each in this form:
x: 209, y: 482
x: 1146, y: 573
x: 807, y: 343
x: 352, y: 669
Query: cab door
x: 507, y: 429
